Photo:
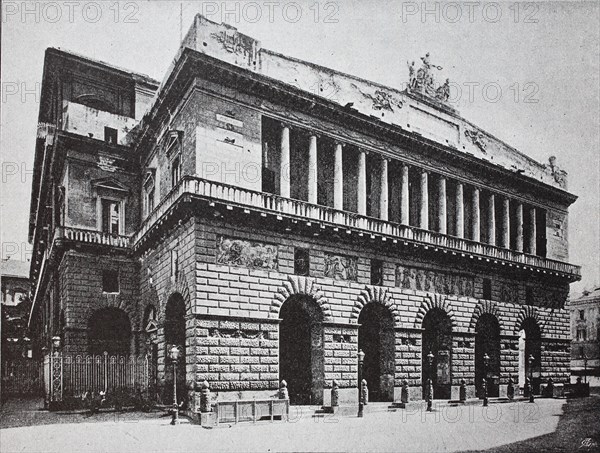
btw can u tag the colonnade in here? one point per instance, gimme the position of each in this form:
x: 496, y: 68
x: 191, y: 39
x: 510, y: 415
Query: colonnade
x: 497, y: 230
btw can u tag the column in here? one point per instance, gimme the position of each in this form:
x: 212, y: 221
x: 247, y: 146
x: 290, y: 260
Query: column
x: 284, y: 168
x: 460, y: 211
x: 362, y: 183
x: 312, y: 170
x: 506, y: 223
x: 442, y: 215
x: 404, y: 200
x: 519, y: 220
x: 532, y: 232
x: 338, y: 182
x: 424, y: 214
x: 476, y: 214
x: 383, y: 196
x: 491, y: 217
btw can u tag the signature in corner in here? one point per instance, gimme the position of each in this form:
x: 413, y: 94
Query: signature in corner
x: 588, y: 442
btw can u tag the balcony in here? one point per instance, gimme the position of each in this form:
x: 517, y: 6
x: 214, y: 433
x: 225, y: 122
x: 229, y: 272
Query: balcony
x: 233, y: 196
x: 92, y: 237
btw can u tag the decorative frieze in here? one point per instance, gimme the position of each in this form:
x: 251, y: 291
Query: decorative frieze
x: 251, y: 254
x: 433, y: 281
x: 236, y: 333
x: 340, y: 267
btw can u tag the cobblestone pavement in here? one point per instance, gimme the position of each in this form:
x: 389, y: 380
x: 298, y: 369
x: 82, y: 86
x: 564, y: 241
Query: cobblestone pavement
x: 446, y: 429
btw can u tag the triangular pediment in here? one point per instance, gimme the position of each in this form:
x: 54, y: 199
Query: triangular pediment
x: 110, y: 184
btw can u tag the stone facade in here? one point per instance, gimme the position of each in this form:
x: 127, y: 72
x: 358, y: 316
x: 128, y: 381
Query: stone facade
x: 271, y: 237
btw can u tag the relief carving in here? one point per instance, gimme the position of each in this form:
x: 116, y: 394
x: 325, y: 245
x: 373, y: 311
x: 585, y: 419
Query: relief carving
x: 341, y: 267
x: 478, y: 140
x: 509, y: 292
x: 433, y: 281
x: 254, y: 255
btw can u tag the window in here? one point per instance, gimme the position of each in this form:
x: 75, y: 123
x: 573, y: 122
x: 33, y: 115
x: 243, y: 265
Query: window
x: 110, y: 281
x: 149, y: 195
x: 110, y: 135
x: 582, y: 315
x: 175, y: 170
x: 175, y: 265
x: 581, y: 334
x: 376, y: 272
x: 301, y: 262
x: 487, y: 288
x: 111, y: 216
x: 173, y: 145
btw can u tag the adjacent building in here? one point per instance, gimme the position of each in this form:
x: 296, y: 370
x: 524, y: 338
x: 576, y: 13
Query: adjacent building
x: 271, y: 217
x: 585, y: 333
x: 15, y: 307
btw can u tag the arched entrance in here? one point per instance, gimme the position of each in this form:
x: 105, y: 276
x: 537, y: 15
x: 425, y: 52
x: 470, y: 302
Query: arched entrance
x: 175, y: 335
x: 301, y: 362
x: 487, y: 341
x: 376, y: 340
x: 437, y: 339
x: 530, y: 345
x: 109, y: 330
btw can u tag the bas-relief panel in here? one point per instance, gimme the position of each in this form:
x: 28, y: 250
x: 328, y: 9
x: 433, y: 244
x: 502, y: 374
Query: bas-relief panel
x: 251, y: 254
x: 509, y: 292
x: 434, y: 281
x: 340, y: 267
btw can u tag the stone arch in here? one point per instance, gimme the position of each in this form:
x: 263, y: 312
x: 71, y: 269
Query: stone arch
x: 122, y: 303
x: 484, y: 306
x: 178, y: 287
x: 528, y: 311
x: 298, y: 285
x: 432, y: 301
x: 376, y: 294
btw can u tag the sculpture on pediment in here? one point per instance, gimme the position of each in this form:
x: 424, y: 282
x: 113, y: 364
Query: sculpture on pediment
x: 422, y: 80
x: 560, y: 176
x: 443, y: 92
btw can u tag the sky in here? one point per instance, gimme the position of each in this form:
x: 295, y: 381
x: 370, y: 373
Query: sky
x: 528, y: 73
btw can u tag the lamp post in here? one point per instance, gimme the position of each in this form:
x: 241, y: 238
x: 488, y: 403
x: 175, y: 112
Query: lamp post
x: 531, y: 359
x: 486, y: 361
x: 361, y: 358
x: 429, y: 388
x: 174, y: 355
x: 585, y: 360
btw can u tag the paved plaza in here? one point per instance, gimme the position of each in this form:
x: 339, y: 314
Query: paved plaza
x: 545, y: 425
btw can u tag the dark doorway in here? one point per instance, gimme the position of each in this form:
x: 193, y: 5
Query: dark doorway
x: 437, y: 339
x: 533, y: 348
x: 487, y: 341
x: 301, y: 350
x: 109, y: 330
x: 175, y: 335
x: 376, y: 340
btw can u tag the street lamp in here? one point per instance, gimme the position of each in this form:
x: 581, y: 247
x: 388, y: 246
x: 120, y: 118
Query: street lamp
x: 531, y: 359
x: 585, y: 360
x: 174, y: 356
x: 361, y: 358
x: 56, y: 342
x: 429, y: 389
x: 486, y: 361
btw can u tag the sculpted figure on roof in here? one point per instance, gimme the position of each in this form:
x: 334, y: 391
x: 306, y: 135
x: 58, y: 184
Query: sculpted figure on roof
x: 423, y: 80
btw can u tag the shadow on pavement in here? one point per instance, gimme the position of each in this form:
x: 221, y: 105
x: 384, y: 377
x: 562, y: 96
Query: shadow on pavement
x: 578, y: 430
x: 19, y: 412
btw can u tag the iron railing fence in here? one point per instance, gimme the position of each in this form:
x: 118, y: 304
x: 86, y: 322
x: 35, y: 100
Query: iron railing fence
x: 22, y: 377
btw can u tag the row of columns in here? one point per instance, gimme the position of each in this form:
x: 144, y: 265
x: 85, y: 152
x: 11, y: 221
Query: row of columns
x: 442, y: 214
